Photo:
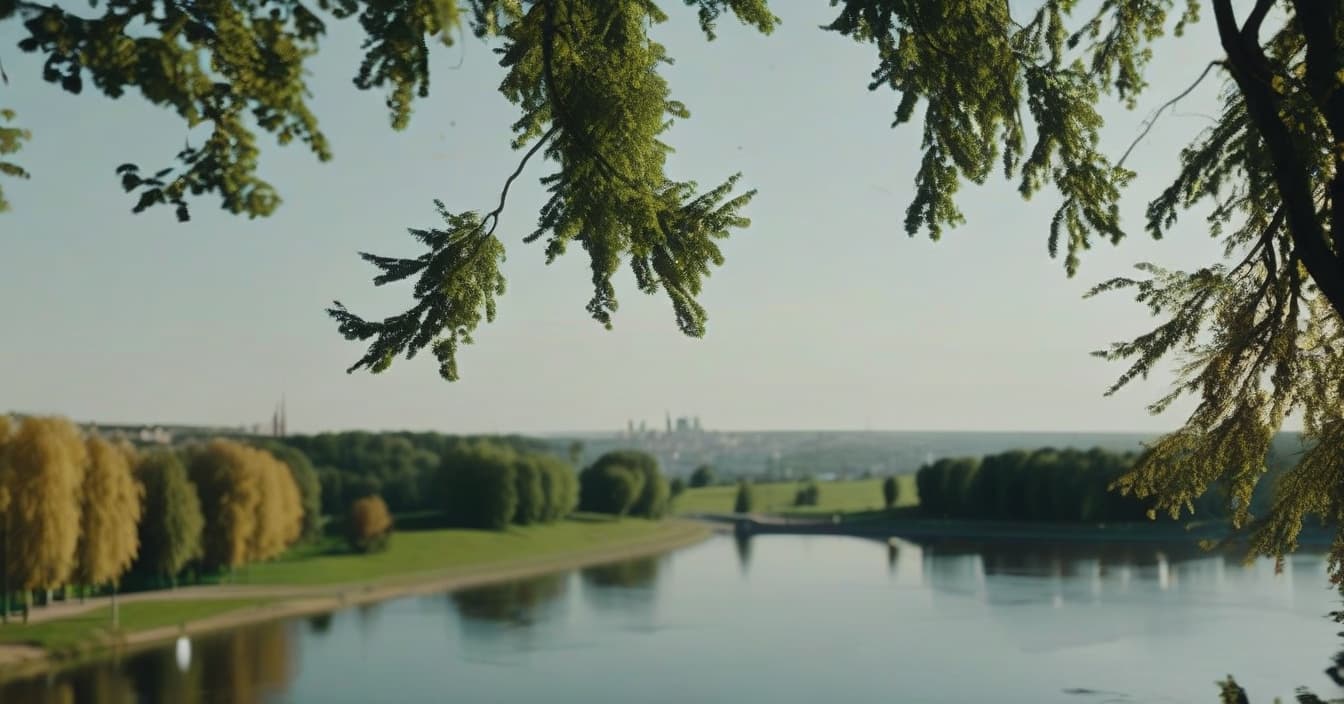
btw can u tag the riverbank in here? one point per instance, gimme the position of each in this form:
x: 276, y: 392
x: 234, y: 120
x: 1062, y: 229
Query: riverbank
x: 934, y: 531
x: 79, y: 633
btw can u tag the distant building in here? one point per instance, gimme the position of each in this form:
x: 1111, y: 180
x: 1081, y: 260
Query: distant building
x: 278, y: 420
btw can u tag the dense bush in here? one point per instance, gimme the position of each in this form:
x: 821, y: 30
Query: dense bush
x: 609, y: 488
x: 370, y: 524
x: 702, y: 476
x: 677, y: 487
x: 624, y: 482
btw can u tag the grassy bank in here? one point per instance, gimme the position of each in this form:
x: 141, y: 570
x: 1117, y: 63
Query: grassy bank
x: 835, y: 497
x: 313, y: 579
x: 71, y: 633
x: 425, y: 551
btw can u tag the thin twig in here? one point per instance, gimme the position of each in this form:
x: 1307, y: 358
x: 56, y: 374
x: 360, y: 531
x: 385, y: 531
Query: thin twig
x: 504, y: 193
x: 1148, y: 124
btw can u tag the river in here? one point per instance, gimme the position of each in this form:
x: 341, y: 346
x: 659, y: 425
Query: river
x: 782, y: 620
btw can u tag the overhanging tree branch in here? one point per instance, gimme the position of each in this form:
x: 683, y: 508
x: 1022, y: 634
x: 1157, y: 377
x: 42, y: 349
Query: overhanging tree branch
x: 1253, y: 76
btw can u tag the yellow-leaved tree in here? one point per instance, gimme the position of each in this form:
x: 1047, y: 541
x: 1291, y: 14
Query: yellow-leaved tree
x: 230, y: 487
x: 112, y: 503
x: 42, y: 475
x: 6, y: 429
x: 252, y: 507
x: 280, y: 517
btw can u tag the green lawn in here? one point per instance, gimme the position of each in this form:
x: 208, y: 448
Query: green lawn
x: 429, y: 550
x: 408, y: 553
x: 859, y: 495
x: 66, y: 634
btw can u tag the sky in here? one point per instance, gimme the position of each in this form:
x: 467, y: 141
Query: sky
x: 824, y: 316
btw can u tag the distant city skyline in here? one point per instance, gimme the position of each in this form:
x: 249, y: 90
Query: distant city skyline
x: 825, y: 315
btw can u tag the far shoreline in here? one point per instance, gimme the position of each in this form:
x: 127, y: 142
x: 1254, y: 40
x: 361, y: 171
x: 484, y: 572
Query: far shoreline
x: 18, y: 661
x: 938, y: 530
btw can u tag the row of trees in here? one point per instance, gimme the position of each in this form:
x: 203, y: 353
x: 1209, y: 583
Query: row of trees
x: 482, y: 484
x: 1071, y: 485
x: 401, y: 467
x: 80, y: 510
x: 1044, y: 485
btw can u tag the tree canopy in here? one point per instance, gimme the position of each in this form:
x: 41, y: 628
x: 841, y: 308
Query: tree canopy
x: 991, y: 87
x: 170, y: 532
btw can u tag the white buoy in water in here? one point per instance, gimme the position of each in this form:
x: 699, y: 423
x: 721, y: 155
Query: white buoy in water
x: 183, y: 652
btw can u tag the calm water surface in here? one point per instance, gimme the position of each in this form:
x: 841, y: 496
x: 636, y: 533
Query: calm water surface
x: 782, y: 619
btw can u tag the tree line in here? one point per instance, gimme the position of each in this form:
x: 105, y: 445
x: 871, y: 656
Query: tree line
x: 402, y: 467
x: 79, y: 510
x: 1052, y: 485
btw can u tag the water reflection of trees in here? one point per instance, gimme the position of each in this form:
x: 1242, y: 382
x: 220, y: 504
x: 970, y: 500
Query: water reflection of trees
x: 742, y: 542
x: 320, y: 624
x: 512, y: 602
x: 630, y: 574
x: 246, y: 665
x: 1002, y: 573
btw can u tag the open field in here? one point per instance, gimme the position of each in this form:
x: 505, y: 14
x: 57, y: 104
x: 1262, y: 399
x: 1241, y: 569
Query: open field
x: 835, y: 497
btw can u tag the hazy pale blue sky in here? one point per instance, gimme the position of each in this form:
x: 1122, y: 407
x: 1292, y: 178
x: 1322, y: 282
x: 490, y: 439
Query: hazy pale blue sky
x: 825, y: 315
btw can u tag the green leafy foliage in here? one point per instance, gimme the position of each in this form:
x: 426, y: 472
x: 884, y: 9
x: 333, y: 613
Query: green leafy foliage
x: 702, y: 476
x: 624, y: 482
x: 478, y: 483
x: 234, y: 69
x: 172, y: 522
x: 1258, y: 339
x: 891, y: 492
x: 308, y: 482
x: 585, y: 76
x: 11, y: 138
x: 609, y: 488
x: 742, y: 503
x: 531, y: 494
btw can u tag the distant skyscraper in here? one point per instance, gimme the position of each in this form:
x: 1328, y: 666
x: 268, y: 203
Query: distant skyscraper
x: 668, y: 417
